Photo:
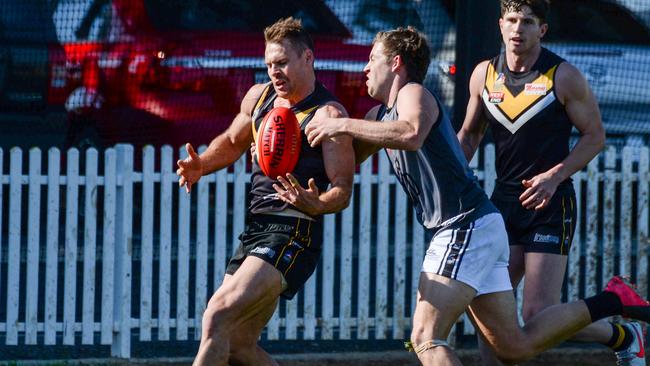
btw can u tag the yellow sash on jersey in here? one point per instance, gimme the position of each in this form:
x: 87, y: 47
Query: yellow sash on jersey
x: 514, y: 111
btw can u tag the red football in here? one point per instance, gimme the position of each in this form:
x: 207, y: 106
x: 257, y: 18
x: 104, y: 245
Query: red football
x: 278, y: 142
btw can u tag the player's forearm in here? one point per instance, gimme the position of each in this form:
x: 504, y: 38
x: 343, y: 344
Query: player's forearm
x: 588, y: 146
x: 333, y: 200
x: 393, y: 135
x: 363, y: 150
x: 221, y: 153
x: 469, y: 143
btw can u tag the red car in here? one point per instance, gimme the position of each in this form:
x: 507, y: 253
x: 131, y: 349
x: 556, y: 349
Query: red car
x: 168, y: 72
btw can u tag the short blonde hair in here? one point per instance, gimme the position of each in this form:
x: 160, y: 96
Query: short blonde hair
x: 290, y: 29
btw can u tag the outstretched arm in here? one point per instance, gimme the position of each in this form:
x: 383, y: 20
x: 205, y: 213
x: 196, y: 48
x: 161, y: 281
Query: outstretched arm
x: 475, y: 124
x: 417, y: 111
x: 225, y: 149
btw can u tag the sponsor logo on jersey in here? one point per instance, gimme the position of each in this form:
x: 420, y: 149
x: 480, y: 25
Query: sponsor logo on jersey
x: 535, y: 89
x: 496, y: 97
x: 264, y: 251
x: 546, y: 238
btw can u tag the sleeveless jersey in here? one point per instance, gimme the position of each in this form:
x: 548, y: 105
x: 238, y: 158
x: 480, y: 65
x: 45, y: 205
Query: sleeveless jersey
x: 530, y: 126
x: 440, y: 185
x: 310, y: 163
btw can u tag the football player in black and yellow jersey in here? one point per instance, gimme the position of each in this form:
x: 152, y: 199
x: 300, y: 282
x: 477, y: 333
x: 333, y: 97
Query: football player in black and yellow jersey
x: 281, y: 243
x: 531, y: 99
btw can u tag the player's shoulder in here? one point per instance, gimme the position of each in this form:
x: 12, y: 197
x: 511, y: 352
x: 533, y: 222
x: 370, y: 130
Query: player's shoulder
x: 332, y: 108
x: 567, y: 73
x: 256, y: 91
x: 480, y: 70
x: 413, y: 89
x: 569, y: 80
x: 414, y: 93
x: 252, y: 96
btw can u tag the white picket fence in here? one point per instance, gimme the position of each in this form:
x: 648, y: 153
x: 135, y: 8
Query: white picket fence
x: 125, y: 222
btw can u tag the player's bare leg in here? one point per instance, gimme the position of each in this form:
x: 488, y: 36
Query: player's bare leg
x: 544, y: 275
x: 440, y: 302
x: 245, y: 299
x: 495, y: 317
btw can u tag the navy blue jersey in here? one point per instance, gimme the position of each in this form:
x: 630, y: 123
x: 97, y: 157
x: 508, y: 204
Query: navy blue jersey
x: 440, y: 185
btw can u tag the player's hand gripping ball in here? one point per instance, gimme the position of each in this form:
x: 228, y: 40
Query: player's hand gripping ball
x: 278, y: 142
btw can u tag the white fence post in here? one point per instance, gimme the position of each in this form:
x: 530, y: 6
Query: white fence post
x: 201, y: 278
x: 71, y: 229
x: 573, y: 264
x: 52, y: 244
x: 609, y: 208
x: 165, y: 261
x: 183, y: 259
x: 121, y: 346
x: 363, y: 267
x: 345, y: 295
x: 591, y: 254
x: 33, y: 244
x: 399, y: 260
x: 627, y: 182
x: 146, y: 251
x: 90, y: 247
x: 642, y: 217
x: 108, y: 245
x: 13, y: 254
x: 328, y: 266
x: 382, y: 255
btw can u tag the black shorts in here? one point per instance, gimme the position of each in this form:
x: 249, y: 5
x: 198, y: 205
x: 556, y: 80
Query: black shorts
x: 291, y: 245
x: 548, y: 231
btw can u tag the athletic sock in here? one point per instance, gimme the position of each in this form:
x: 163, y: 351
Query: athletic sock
x: 621, y: 337
x: 603, y: 305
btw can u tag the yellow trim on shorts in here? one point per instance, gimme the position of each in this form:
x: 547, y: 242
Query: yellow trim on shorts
x: 299, y: 251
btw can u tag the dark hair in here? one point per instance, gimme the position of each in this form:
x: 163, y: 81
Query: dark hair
x: 538, y: 7
x: 411, y: 46
x: 290, y: 29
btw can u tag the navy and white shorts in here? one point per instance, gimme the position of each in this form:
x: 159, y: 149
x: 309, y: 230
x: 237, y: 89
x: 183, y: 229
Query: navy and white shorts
x: 476, y: 254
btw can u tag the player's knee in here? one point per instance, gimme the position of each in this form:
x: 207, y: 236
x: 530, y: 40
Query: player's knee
x: 512, y: 353
x: 241, y: 355
x: 219, y: 315
x: 420, y: 334
x: 530, y: 310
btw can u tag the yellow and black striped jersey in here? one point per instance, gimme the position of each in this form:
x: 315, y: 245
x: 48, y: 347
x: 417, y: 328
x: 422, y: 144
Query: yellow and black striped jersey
x: 530, y: 126
x: 310, y: 163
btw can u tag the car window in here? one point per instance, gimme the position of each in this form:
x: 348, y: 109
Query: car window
x: 237, y: 15
x: 594, y: 22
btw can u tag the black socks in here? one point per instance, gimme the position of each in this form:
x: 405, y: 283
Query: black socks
x: 603, y: 305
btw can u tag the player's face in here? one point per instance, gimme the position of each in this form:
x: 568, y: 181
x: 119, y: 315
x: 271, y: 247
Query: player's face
x: 287, y: 68
x: 378, y: 70
x: 521, y: 30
